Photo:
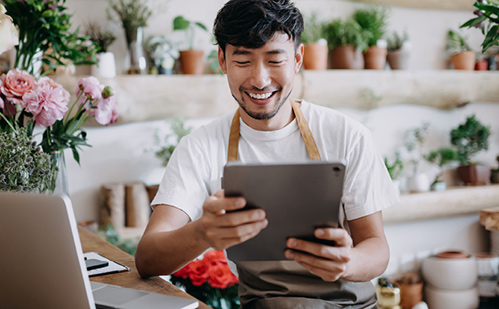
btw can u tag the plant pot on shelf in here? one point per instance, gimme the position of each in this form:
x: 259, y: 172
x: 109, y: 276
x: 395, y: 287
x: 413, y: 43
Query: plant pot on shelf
x: 315, y: 56
x: 192, y: 61
x: 105, y: 66
x: 438, y: 186
x: 418, y: 183
x: 346, y: 57
x: 375, y: 58
x: 481, y: 65
x: 463, y: 61
x: 398, y: 59
x: 474, y: 175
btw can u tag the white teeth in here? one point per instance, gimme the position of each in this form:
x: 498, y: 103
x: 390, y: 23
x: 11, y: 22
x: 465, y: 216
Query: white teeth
x: 260, y: 96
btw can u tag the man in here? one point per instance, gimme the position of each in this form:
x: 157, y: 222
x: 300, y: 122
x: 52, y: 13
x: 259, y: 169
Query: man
x: 260, y: 51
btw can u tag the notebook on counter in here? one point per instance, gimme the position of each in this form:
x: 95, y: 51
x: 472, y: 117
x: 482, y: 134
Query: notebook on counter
x: 43, y: 266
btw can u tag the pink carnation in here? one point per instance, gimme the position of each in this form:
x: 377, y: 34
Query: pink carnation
x: 48, y: 81
x: 15, y: 84
x: 91, y: 88
x: 47, y: 104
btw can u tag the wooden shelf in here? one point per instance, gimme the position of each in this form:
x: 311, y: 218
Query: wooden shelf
x: 454, y: 201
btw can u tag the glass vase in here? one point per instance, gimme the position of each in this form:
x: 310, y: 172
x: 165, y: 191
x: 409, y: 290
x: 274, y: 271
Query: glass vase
x: 58, y: 181
x: 134, y: 38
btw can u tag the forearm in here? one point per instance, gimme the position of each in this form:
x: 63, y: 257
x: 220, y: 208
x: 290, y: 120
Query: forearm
x: 369, y: 259
x: 164, y: 252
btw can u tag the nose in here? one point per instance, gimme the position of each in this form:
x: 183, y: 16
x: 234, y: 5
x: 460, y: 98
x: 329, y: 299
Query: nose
x: 260, y: 76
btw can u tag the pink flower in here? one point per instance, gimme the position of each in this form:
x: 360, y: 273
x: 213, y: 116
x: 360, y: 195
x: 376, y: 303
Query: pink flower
x: 15, y: 84
x: 48, y: 81
x: 1, y: 103
x: 91, y: 88
x: 105, y: 110
x: 47, y: 104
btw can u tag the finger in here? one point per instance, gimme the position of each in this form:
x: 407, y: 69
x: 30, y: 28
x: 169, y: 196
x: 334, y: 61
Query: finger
x: 338, y: 235
x: 334, y: 253
x: 316, y: 262
x: 229, y: 236
x: 326, y: 274
x: 219, y: 205
x: 241, y: 217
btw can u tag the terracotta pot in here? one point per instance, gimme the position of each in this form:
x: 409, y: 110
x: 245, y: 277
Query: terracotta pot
x: 464, y: 60
x: 315, y: 56
x: 192, y: 61
x: 452, y: 254
x: 346, y: 57
x: 481, y: 65
x: 375, y: 58
x: 474, y: 175
x: 410, y: 294
x: 398, y: 59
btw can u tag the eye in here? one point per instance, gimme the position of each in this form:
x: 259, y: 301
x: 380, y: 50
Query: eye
x: 276, y: 62
x: 242, y: 62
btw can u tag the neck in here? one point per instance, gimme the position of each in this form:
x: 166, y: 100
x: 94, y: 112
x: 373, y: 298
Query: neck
x: 283, y: 117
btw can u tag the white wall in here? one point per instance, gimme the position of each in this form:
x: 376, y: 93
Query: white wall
x: 427, y: 28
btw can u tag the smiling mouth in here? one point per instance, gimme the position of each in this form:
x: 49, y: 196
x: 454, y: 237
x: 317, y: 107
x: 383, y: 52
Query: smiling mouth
x: 260, y: 96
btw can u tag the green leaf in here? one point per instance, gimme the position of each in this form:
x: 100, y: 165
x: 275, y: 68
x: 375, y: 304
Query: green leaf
x: 200, y: 25
x: 180, y: 23
x: 473, y: 22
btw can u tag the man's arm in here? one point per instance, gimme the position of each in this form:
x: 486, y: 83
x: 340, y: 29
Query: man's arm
x: 367, y: 259
x: 170, y: 240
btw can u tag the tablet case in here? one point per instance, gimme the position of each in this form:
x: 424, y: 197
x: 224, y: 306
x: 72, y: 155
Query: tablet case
x: 297, y: 198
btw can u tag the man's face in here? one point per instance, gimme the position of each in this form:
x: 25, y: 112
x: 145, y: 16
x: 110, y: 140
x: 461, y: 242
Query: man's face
x: 261, y: 79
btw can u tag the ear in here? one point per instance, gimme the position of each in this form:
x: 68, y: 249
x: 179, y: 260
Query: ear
x: 221, y: 60
x: 299, y: 57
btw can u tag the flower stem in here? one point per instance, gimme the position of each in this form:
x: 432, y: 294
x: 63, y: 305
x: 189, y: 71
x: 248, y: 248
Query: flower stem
x: 8, y: 122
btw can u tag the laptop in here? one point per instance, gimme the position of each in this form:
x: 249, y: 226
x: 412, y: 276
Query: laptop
x: 42, y: 263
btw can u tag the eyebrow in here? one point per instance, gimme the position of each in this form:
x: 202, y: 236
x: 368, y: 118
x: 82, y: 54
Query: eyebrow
x: 248, y: 52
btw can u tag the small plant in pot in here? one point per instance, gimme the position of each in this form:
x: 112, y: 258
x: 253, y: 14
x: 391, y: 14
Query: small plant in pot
x: 398, y: 50
x: 395, y: 170
x: 414, y: 141
x: 316, y: 49
x: 461, y: 54
x: 441, y: 157
x: 192, y: 60
x: 346, y: 40
x: 469, y: 139
x: 106, y: 66
x: 374, y: 20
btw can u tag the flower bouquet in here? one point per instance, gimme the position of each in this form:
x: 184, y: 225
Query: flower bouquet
x: 26, y: 102
x: 209, y: 280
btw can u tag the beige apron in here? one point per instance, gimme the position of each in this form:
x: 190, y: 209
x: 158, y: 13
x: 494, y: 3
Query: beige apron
x: 286, y: 284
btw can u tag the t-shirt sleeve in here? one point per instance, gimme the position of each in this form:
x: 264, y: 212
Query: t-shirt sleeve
x: 183, y: 184
x: 368, y: 187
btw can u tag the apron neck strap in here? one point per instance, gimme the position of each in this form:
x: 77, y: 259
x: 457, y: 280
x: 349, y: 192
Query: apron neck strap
x: 313, y: 152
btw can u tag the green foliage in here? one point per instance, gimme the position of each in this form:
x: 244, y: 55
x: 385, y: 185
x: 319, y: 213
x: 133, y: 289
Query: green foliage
x: 44, y: 29
x: 456, y: 43
x: 414, y: 140
x: 396, y: 40
x: 441, y: 157
x: 374, y: 20
x: 180, y: 23
x: 110, y: 235
x: 469, y: 138
x: 348, y: 32
x: 23, y: 166
x: 103, y: 39
x: 313, y: 29
x: 487, y: 20
x: 396, y: 168
x: 132, y: 14
x: 166, y: 146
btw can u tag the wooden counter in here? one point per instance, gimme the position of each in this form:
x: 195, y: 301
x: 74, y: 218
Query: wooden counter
x: 92, y: 243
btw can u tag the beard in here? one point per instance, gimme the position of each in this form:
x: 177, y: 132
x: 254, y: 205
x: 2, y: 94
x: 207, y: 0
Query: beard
x: 261, y: 115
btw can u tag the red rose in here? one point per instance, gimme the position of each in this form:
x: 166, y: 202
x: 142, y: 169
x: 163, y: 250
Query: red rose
x: 221, y: 277
x: 215, y: 257
x: 183, y: 272
x: 198, y: 272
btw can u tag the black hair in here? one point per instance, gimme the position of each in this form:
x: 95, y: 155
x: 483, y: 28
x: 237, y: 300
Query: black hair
x: 252, y: 23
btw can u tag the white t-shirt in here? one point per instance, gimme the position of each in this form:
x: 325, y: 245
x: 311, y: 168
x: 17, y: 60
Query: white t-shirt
x: 195, y: 169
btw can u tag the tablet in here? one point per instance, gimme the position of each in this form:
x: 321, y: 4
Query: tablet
x: 297, y: 198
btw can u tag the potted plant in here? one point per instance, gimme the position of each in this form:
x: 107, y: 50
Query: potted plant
x: 494, y: 173
x: 105, y: 66
x: 162, y: 54
x: 374, y: 20
x: 316, y: 49
x: 346, y: 40
x: 441, y: 157
x: 486, y: 20
x: 469, y: 139
x: 398, y: 50
x: 133, y: 15
x: 414, y: 140
x: 461, y: 54
x: 395, y: 170
x: 192, y: 60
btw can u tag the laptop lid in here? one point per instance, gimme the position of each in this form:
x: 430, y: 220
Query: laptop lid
x: 42, y: 263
